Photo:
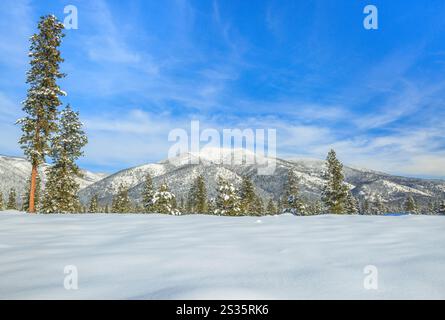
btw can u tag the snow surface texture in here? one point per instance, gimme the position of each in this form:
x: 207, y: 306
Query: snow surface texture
x: 209, y: 257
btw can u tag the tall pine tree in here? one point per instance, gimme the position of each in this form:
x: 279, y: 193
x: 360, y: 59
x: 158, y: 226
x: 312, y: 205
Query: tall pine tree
x: 335, y: 191
x: 61, y: 191
x: 1, y: 201
x: 43, y: 96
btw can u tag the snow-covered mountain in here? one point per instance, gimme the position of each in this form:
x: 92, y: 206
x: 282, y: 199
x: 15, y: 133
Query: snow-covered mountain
x: 179, y: 174
x: 15, y: 172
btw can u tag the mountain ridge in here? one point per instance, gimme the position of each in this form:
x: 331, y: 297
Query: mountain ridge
x: 179, y: 174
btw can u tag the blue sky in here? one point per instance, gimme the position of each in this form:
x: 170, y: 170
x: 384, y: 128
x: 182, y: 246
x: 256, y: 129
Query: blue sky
x: 137, y: 69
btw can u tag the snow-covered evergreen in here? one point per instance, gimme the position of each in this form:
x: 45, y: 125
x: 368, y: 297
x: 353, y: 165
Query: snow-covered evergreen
x: 43, y: 99
x: 121, y: 202
x: 12, y: 200
x: 271, y: 208
x: 411, y: 205
x: 164, y: 201
x: 197, y: 199
x: 248, y: 196
x: 294, y: 204
x: 94, y: 204
x: 352, y: 206
x: 335, y: 191
x: 227, y: 201
x: 61, y: 190
x: 147, y: 194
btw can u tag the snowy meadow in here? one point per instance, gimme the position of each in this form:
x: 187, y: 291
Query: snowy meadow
x: 211, y: 257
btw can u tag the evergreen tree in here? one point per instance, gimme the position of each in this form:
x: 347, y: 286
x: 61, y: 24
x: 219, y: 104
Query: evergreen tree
x: 43, y: 96
x: 164, y: 201
x: 441, y: 209
x: 248, y: 196
x: 257, y: 207
x: 410, y: 205
x: 12, y: 200
x: 212, y: 206
x: 147, y: 194
x: 377, y: 206
x: 294, y: 204
x: 271, y: 208
x: 61, y: 191
x: 351, y: 204
x: 106, y: 209
x: 182, y: 207
x: 94, y: 204
x: 335, y: 192
x: 121, y: 202
x: 315, y: 208
x: 197, y: 202
x: 365, y: 207
x: 227, y: 201
x: 1, y: 201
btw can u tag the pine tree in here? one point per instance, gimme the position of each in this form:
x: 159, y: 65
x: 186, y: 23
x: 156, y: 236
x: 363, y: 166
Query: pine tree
x: 294, y: 204
x: 43, y: 96
x: 257, y: 207
x: 94, y: 204
x: 12, y: 200
x: 248, y: 196
x: 351, y: 204
x: 227, y: 201
x: 121, y: 202
x: 147, y: 194
x: 441, y: 209
x: 335, y: 192
x: 197, y: 202
x: 61, y: 191
x: 410, y: 205
x: 377, y: 207
x: 106, y: 209
x: 1, y: 201
x: 164, y: 201
x: 271, y: 208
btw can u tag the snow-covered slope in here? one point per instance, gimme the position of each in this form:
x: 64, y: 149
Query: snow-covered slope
x: 15, y: 172
x: 179, y: 174
x: 209, y: 257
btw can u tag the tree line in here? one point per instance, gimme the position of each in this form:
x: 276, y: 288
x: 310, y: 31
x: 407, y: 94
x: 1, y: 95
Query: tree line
x: 336, y: 198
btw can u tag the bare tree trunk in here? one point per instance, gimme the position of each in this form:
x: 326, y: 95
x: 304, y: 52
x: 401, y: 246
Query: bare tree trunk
x: 32, y: 189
